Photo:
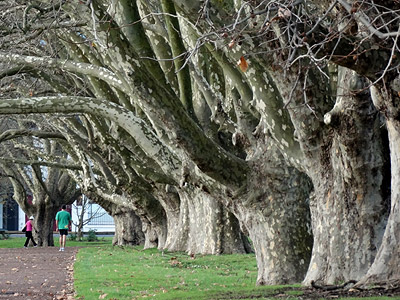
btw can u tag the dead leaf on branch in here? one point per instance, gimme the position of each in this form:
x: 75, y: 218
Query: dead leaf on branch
x: 243, y: 64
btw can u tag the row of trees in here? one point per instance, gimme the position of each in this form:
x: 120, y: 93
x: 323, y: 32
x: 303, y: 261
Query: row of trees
x: 212, y: 121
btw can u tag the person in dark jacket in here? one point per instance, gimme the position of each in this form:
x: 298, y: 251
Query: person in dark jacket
x: 28, y: 232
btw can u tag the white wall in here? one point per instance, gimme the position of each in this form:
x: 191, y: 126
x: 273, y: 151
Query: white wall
x: 21, y: 218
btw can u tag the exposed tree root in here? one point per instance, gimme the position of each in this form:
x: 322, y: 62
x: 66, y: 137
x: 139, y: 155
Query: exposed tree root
x: 389, y: 289
x: 332, y: 287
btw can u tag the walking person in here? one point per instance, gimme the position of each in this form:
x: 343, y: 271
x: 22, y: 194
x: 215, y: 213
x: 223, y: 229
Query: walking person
x: 63, y: 221
x: 28, y: 233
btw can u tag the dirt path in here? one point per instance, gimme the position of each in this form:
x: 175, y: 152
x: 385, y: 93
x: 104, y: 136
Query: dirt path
x: 36, y: 273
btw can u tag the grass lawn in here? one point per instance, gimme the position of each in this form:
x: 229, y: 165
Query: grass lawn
x: 108, y: 272
x: 132, y: 273
x: 102, y: 271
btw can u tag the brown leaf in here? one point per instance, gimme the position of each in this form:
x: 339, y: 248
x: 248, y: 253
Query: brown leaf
x: 243, y: 64
x: 103, y: 296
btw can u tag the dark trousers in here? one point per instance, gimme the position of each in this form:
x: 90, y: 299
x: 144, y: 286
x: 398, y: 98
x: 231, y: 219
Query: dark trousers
x: 28, y: 235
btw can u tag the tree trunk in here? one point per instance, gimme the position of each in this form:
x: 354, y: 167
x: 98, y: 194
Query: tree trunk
x: 385, y: 269
x: 43, y: 225
x: 79, y: 234
x: 177, y: 218
x: 212, y: 229
x: 128, y: 228
x: 276, y: 214
x: 154, y: 230
x: 201, y: 225
x: 151, y: 234
x: 81, y: 219
x: 349, y: 205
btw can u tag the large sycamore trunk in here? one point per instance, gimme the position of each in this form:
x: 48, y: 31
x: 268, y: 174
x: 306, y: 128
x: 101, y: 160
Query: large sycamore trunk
x: 155, y: 234
x: 213, y: 230
x: 43, y: 224
x: 202, y: 225
x: 128, y: 228
x: 175, y: 212
x: 386, y: 267
x: 349, y: 205
x: 275, y: 213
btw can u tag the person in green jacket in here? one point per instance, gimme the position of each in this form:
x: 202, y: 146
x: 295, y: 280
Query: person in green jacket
x: 63, y: 221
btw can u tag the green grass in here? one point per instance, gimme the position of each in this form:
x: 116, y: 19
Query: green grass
x: 18, y: 242
x: 108, y: 272
x: 133, y: 273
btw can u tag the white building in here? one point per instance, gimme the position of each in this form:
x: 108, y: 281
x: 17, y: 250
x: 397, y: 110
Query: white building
x: 94, y: 217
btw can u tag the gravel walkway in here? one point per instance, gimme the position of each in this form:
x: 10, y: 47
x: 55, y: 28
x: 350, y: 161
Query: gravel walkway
x: 37, y: 273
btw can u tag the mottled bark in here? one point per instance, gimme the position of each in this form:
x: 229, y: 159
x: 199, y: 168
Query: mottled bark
x: 177, y: 217
x: 199, y: 224
x: 154, y: 235
x: 385, y: 269
x: 275, y: 212
x: 212, y: 229
x: 349, y: 205
x: 128, y: 228
x: 43, y: 225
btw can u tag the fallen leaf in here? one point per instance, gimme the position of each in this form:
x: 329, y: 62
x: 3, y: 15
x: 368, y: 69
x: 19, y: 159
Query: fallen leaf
x: 103, y: 296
